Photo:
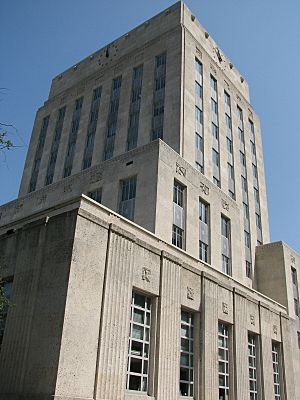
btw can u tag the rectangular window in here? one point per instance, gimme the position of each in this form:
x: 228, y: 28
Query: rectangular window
x: 252, y: 359
x: 55, y: 145
x: 296, y: 306
x: 248, y: 269
x: 112, y: 118
x: 204, y: 231
x: 198, y: 90
x: 178, y: 215
x: 38, y: 154
x: 225, y: 245
x: 187, y: 354
x: 73, y: 137
x: 223, y: 351
x: 91, y: 130
x: 159, y: 97
x: 294, y: 276
x: 139, y: 343
x: 298, y: 335
x: 198, y: 116
x: 134, y: 111
x: 215, y: 131
x: 96, y: 195
x: 276, y: 369
x: 199, y: 152
x: 215, y: 157
x: 247, y: 239
x: 128, y: 193
x: 6, y: 288
x: 229, y: 145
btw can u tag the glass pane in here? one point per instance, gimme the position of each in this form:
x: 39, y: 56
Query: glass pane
x: 184, y: 389
x: 139, y: 300
x: 136, y: 348
x: 184, y: 374
x: 184, y: 359
x: 138, y: 316
x: 185, y: 344
x: 136, y: 365
x: 137, y: 332
x: 134, y: 382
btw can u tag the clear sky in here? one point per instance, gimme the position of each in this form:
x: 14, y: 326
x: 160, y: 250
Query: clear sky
x: 41, y: 38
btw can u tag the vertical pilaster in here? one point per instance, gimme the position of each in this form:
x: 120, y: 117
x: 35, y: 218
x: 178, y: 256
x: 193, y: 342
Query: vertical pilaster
x: 287, y: 366
x: 210, y: 341
x: 266, y: 355
x: 113, y: 341
x: 168, y: 332
x: 241, y: 348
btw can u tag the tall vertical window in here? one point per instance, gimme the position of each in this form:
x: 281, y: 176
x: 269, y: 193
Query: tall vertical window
x: 159, y: 96
x: 215, y: 131
x: 139, y: 343
x: 229, y: 138
x: 91, y: 130
x: 73, y: 137
x: 199, y: 145
x: 55, y: 145
x: 225, y: 245
x: 128, y: 193
x: 276, y: 369
x: 112, y: 118
x: 252, y: 359
x: 178, y: 215
x: 203, y: 231
x: 223, y: 351
x: 134, y: 110
x: 6, y: 287
x: 187, y: 354
x: 96, y: 195
x: 294, y: 276
x: 38, y: 154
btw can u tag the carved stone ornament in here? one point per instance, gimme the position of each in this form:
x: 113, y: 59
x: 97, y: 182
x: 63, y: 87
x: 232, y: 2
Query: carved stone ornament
x: 68, y: 188
x: 275, y: 329
x: 225, y: 205
x: 190, y: 293
x: 18, y: 206
x: 213, y: 69
x: 198, y: 52
x: 180, y: 170
x: 146, y: 274
x: 252, y: 320
x: 293, y: 259
x: 225, y: 308
x: 41, y: 199
x: 204, y: 188
x: 95, y: 176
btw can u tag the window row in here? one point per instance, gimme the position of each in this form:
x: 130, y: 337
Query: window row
x: 140, y: 344
x: 111, y: 125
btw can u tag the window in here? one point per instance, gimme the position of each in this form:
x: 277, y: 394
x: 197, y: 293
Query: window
x: 134, y: 110
x: 203, y: 251
x: 246, y: 211
x: 187, y: 354
x: 198, y: 66
x: 276, y: 369
x: 55, y: 145
x: 298, y: 334
x: 198, y: 115
x: 244, y: 184
x: 254, y: 169
x: 258, y: 221
x: 203, y: 230
x: 73, y: 137
x: 178, y: 215
x: 198, y: 90
x: 128, y: 192
x: 159, y: 96
x: 230, y: 171
x: 215, y: 131
x: 38, y: 154
x: 227, y: 99
x: 225, y: 245
x: 294, y: 276
x: 6, y: 287
x: 247, y: 239
x: 213, y: 85
x: 242, y: 159
x: 96, y: 195
x: 229, y: 145
x: 215, y: 157
x: 112, y: 118
x: 223, y: 351
x: 296, y: 306
x: 139, y: 343
x: 248, y: 269
x: 252, y: 358
x: 91, y: 130
x: 214, y: 107
x: 228, y: 121
x: 241, y: 135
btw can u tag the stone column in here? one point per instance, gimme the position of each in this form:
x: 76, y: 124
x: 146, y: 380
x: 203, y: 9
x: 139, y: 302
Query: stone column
x: 168, y: 332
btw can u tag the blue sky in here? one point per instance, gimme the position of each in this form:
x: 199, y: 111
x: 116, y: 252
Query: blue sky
x: 39, y: 39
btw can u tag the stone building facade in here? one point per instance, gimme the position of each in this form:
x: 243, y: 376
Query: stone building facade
x: 137, y: 254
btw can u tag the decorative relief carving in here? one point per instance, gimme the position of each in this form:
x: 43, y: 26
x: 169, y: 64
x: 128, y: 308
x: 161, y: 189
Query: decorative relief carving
x: 213, y: 69
x: 146, y: 274
x: 204, y: 188
x: 95, y: 176
x: 227, y: 85
x: 190, y: 293
x: 225, y: 308
x: 293, y: 261
x: 225, y: 205
x: 180, y: 170
x: 19, y: 206
x: 41, y: 199
x: 198, y: 52
x: 238, y: 97
x: 252, y: 320
x: 68, y: 188
x: 275, y: 329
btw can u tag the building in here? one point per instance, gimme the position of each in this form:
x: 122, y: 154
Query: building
x: 138, y: 252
